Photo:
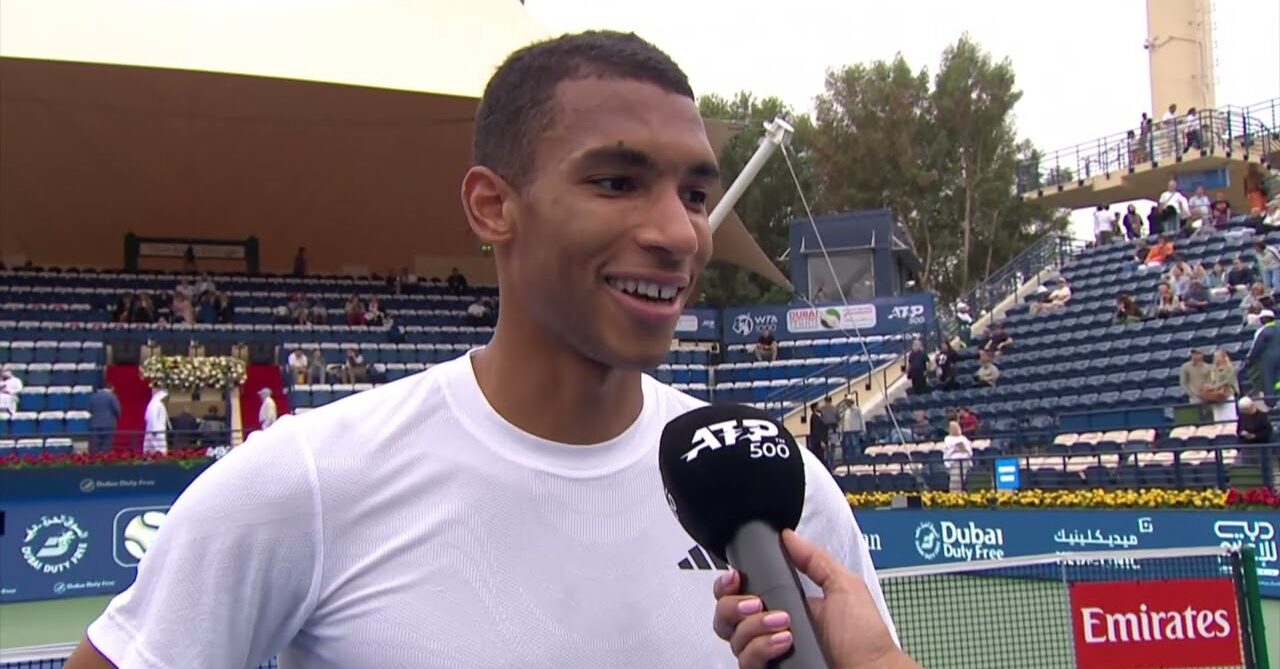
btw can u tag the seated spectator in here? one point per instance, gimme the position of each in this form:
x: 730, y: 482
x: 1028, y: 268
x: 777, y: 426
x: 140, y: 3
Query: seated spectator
x: 317, y: 312
x: 123, y: 311
x: 280, y: 315
x: 226, y: 311
x: 143, y: 309
x: 373, y: 316
x: 184, y: 289
x: 1160, y: 252
x: 1167, y: 302
x: 1193, y: 376
x: 945, y: 362
x: 766, y: 346
x: 997, y: 340
x: 1196, y: 299
x: 1240, y: 275
x: 921, y: 429
x: 1253, y: 298
x: 183, y: 311
x: 968, y: 421
x: 456, y: 282
x: 354, y: 369
x: 1218, y: 279
x: 298, y: 365
x: 164, y: 309
x: 1127, y: 310
x: 478, y: 313
x: 1253, y: 427
x: 1268, y: 264
x: 207, y: 313
x: 1220, y: 211
x: 1140, y: 252
x: 1055, y: 301
x: 1200, y: 206
x: 1178, y: 279
x: 987, y: 373
x: 317, y: 370
x: 354, y: 310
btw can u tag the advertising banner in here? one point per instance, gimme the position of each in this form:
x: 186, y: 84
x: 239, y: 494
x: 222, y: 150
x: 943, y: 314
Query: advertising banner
x: 1157, y: 624
x: 909, y: 538
x: 699, y: 325
x: 883, y: 316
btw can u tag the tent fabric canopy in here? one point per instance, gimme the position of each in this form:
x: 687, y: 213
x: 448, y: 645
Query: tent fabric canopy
x: 194, y: 118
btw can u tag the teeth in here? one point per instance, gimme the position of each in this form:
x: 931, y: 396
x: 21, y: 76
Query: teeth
x: 647, y: 289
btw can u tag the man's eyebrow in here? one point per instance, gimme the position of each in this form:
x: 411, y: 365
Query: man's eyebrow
x: 704, y: 170
x: 619, y: 156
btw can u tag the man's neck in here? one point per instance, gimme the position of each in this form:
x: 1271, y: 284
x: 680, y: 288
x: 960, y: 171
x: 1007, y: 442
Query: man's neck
x: 547, y: 389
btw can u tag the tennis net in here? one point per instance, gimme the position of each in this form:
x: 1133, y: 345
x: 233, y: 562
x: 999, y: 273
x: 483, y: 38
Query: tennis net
x: 1136, y: 608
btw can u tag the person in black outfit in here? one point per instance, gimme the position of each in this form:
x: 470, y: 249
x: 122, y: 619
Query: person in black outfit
x: 918, y: 368
x: 1253, y: 427
x: 818, y: 432
x: 946, y: 363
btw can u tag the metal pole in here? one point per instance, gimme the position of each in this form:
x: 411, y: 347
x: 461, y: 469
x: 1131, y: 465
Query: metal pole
x: 776, y: 133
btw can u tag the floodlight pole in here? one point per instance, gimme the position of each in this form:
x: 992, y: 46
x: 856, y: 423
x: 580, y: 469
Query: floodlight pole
x: 776, y: 132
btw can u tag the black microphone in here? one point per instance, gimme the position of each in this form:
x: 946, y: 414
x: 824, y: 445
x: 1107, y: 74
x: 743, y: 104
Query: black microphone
x: 735, y: 479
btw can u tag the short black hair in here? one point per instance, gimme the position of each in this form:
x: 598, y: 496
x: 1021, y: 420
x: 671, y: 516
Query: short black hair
x: 516, y: 106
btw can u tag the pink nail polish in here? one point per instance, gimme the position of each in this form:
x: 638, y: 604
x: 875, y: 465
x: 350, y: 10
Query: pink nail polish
x: 726, y: 578
x: 749, y: 606
x: 777, y: 619
x: 780, y: 639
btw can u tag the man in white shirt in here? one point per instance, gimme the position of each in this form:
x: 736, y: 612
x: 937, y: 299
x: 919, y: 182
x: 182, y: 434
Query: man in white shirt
x: 1198, y: 206
x: 1104, y: 223
x: 503, y: 509
x: 1173, y: 209
x: 298, y: 365
x: 10, y: 386
x: 266, y: 412
x: 156, y: 439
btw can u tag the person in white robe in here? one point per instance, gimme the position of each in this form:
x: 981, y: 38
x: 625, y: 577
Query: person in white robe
x: 10, y: 386
x: 266, y: 414
x: 156, y: 440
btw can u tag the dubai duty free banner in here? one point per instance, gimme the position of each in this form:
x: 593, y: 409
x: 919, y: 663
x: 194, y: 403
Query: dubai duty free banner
x: 909, y: 538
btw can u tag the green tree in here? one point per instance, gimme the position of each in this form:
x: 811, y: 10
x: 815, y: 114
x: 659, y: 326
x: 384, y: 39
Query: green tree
x: 768, y: 204
x: 941, y: 153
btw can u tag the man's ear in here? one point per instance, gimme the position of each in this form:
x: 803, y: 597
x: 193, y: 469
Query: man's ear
x: 489, y: 202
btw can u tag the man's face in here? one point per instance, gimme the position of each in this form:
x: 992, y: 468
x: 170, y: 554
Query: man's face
x: 1200, y: 190
x: 1197, y: 357
x: 1173, y: 185
x: 611, y: 230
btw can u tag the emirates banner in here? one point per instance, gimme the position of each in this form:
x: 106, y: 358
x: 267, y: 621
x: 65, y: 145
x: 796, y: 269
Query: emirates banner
x: 1156, y: 624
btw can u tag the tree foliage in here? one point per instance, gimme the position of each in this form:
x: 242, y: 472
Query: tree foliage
x: 939, y: 151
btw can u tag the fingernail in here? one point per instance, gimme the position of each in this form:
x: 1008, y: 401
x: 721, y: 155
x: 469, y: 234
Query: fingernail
x: 777, y: 619
x: 726, y: 578
x: 749, y: 606
x: 780, y: 639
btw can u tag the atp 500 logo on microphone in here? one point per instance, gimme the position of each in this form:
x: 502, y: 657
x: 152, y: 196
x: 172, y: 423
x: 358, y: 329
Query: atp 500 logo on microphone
x: 761, y: 437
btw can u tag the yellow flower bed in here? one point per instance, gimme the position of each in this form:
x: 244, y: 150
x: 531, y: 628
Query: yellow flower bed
x: 1056, y: 499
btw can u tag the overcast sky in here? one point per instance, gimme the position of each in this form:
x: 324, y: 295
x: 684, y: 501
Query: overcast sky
x: 1080, y: 65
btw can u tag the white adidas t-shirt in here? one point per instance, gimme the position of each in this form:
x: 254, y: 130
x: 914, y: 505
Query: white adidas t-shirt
x: 411, y: 526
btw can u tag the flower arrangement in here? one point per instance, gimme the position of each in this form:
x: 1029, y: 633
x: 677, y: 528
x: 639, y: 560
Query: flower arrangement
x: 188, y: 457
x: 183, y: 373
x: 1096, y: 498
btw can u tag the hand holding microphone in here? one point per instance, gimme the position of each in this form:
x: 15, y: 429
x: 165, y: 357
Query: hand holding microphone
x: 735, y: 479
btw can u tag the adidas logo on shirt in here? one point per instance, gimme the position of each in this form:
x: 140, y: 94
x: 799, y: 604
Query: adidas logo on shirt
x: 701, y: 560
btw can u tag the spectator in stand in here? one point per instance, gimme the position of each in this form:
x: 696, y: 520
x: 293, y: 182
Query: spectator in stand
x: 1167, y: 302
x: 267, y: 411
x: 945, y: 362
x: 918, y: 367
x: 104, y: 415
x: 281, y: 316
x: 10, y: 387
x: 1200, y: 272
x: 766, y: 346
x: 1220, y: 211
x: 1218, y: 279
x: 354, y: 369
x: 317, y: 312
x: 1160, y: 252
x: 1191, y: 129
x: 226, y: 310
x: 1178, y: 279
x: 919, y: 430
x: 207, y: 313
x: 205, y: 286
x: 987, y: 373
x: 1196, y: 299
x: 298, y: 366
x: 1140, y: 252
x: 373, y: 316
x: 957, y: 452
x: 1262, y: 365
x: 317, y: 371
x: 1252, y: 302
x: 1200, y: 207
x: 1056, y: 300
x: 123, y: 311
x: 830, y: 416
x: 189, y: 260
x: 164, y: 311
x: 183, y: 311
x: 456, y: 282
x: 1127, y: 310
x: 1240, y: 275
x: 1145, y: 127
x: 1132, y: 223
x: 143, y: 309
x: 852, y: 426
x: 478, y: 313
x: 156, y: 420
x: 300, y: 262
x: 183, y: 429
x: 1253, y: 427
x: 213, y: 430
x: 968, y: 421
x: 354, y: 310
x: 997, y: 340
x: 1268, y: 264
x: 1104, y: 225
x: 1193, y: 376
x: 1173, y: 209
x: 1222, y: 387
x: 184, y: 289
x: 817, y: 433
x: 1154, y: 226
